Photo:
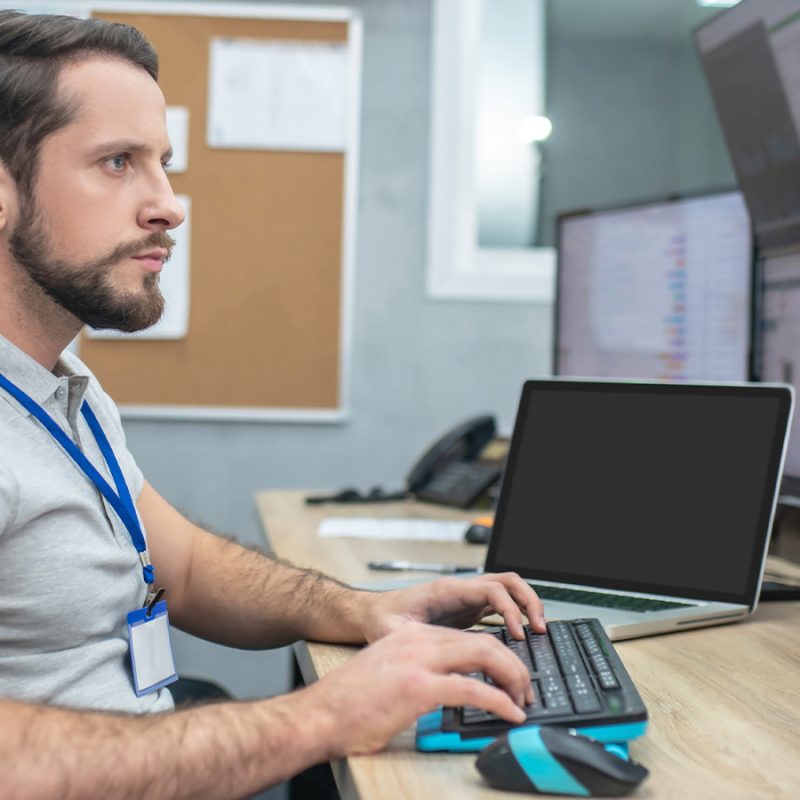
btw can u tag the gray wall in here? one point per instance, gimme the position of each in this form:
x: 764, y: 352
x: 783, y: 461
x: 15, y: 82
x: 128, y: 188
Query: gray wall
x: 632, y: 120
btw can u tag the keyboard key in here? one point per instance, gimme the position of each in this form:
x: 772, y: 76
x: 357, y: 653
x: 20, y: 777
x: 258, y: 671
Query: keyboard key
x: 522, y: 651
x: 584, y: 631
x: 586, y: 703
x: 536, y: 710
x: 607, y: 680
x: 583, y: 694
x: 552, y: 684
x: 599, y: 662
x: 557, y: 701
x: 568, y: 656
x: 579, y: 684
x: 544, y: 660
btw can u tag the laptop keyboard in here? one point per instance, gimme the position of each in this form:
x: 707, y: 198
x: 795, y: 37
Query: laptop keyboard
x: 620, y: 601
x: 571, y: 671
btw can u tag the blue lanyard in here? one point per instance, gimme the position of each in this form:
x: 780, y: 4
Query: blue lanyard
x: 120, y: 500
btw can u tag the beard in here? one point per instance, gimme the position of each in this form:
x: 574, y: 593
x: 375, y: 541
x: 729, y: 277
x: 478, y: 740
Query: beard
x: 85, y: 290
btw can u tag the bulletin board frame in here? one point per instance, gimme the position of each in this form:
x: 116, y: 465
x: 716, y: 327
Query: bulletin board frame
x: 327, y: 413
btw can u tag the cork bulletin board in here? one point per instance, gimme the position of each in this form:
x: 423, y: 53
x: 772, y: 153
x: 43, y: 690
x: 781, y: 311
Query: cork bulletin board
x: 272, y: 235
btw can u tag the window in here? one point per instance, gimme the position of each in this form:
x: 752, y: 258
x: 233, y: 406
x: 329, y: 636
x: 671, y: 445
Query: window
x: 488, y: 84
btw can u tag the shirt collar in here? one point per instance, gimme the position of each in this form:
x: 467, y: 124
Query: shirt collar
x: 30, y: 376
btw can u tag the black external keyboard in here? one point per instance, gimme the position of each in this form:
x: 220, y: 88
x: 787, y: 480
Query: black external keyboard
x: 604, y: 599
x: 576, y: 675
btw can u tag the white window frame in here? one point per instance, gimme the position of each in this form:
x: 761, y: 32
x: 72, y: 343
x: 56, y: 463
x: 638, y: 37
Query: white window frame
x: 458, y: 269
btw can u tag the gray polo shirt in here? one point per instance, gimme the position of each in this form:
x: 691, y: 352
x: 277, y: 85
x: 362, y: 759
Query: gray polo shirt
x: 69, y: 573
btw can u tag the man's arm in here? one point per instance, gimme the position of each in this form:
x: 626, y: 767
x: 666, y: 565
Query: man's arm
x: 221, y: 591
x: 217, y: 751
x: 231, y: 750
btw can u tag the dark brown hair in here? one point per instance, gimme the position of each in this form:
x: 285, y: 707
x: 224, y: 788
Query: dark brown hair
x: 33, y: 49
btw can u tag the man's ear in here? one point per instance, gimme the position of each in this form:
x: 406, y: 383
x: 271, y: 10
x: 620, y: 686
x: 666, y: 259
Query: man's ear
x: 8, y: 198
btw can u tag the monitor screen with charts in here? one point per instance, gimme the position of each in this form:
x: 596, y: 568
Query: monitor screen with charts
x: 778, y: 343
x: 658, y: 290
x: 751, y: 57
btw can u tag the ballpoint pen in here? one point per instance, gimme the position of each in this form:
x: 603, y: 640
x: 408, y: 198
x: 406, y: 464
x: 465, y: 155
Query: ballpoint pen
x: 397, y: 566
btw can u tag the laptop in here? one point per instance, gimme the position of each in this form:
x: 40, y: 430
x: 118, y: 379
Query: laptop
x: 644, y: 504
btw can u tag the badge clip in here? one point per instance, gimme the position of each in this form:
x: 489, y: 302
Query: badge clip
x: 151, y: 605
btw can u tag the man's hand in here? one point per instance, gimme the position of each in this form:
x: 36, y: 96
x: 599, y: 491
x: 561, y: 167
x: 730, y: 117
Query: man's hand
x: 455, y: 602
x: 409, y: 672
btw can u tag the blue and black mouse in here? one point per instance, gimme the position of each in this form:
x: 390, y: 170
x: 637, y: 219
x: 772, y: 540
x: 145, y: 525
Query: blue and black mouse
x: 550, y: 760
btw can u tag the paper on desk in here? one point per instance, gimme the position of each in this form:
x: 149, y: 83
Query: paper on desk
x: 421, y: 530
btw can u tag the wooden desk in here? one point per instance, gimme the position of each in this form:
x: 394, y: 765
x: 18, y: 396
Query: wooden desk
x: 724, y: 702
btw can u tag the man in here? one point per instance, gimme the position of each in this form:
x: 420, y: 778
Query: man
x: 85, y: 206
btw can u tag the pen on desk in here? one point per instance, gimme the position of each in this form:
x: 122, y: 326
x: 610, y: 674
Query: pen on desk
x: 396, y: 566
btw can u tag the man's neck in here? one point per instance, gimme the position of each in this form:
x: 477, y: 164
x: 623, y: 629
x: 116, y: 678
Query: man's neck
x: 34, y: 322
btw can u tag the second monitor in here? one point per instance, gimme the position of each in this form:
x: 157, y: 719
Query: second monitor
x: 657, y: 290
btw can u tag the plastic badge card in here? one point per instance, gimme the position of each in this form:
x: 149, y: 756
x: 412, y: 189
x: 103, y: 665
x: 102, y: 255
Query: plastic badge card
x: 151, y: 651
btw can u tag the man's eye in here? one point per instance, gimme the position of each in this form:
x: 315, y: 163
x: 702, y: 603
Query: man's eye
x: 118, y: 162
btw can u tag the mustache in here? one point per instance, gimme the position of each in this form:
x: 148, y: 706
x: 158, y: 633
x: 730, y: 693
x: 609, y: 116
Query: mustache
x: 160, y: 239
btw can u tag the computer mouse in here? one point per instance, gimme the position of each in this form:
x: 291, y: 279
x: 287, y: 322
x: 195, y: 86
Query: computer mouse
x: 478, y: 534
x: 552, y: 760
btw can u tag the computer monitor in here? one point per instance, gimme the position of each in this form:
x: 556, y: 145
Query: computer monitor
x: 751, y: 57
x: 658, y: 290
x: 777, y: 345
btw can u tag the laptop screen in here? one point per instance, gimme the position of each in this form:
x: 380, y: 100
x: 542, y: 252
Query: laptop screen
x: 648, y: 487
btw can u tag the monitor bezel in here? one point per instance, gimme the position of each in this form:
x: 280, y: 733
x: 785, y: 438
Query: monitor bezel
x: 779, y: 237
x: 790, y: 482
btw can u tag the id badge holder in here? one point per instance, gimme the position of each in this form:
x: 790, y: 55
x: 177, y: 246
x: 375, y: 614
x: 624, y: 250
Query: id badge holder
x: 151, y: 652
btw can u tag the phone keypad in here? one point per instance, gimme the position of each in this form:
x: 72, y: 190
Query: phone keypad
x: 460, y: 483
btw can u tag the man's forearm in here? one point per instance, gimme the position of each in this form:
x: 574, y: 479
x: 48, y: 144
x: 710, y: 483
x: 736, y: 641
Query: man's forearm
x: 242, y: 598
x: 226, y: 751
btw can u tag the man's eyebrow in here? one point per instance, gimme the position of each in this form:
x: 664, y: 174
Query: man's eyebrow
x: 127, y: 146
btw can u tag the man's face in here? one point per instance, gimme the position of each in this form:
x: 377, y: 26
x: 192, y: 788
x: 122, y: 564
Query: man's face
x: 93, y: 233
